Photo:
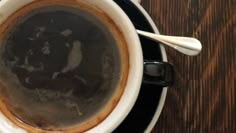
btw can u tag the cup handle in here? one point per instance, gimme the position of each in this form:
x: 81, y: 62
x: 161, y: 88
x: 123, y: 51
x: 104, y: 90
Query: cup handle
x: 158, y: 73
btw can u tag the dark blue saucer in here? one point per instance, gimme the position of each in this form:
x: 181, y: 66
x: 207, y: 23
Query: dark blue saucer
x: 148, y: 100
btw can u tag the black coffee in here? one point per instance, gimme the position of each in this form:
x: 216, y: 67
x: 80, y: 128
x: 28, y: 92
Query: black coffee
x: 59, y: 67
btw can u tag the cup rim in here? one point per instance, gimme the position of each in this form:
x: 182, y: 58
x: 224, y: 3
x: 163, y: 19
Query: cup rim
x: 132, y: 88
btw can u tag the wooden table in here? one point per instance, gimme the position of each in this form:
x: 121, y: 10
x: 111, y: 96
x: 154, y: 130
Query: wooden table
x: 203, y: 97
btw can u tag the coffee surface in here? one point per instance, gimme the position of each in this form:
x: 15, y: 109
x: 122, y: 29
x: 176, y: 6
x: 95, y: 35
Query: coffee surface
x: 59, y: 66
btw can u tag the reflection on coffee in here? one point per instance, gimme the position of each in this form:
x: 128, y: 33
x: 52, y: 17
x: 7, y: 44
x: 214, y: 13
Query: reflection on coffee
x: 59, y: 66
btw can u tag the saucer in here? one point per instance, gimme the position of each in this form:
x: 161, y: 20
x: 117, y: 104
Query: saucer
x: 149, y: 104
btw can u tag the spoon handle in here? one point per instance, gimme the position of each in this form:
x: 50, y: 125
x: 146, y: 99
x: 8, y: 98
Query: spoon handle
x: 186, y: 45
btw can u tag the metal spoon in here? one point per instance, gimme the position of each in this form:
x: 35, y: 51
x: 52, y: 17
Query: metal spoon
x: 186, y: 45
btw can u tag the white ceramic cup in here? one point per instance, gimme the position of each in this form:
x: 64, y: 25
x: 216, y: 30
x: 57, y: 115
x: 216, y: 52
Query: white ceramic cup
x: 135, y: 73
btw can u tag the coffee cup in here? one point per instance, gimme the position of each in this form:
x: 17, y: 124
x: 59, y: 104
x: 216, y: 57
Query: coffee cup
x: 70, y: 66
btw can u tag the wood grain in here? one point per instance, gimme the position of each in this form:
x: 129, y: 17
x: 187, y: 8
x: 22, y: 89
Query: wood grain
x: 203, y: 97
